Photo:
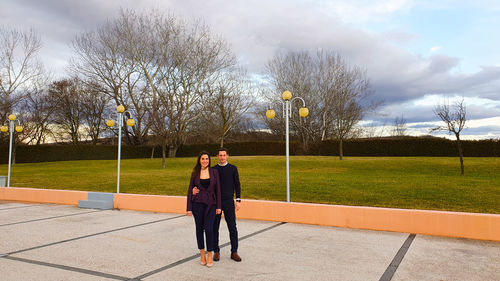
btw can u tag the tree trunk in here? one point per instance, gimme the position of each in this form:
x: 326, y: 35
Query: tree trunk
x: 460, y: 154
x: 172, y: 150
x: 222, y: 142
x: 305, y: 144
x: 163, y: 154
x: 341, y: 153
x: 152, y: 152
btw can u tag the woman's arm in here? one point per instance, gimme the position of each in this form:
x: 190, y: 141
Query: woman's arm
x: 190, y: 195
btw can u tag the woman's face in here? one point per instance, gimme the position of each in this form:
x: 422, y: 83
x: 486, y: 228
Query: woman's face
x: 204, y: 161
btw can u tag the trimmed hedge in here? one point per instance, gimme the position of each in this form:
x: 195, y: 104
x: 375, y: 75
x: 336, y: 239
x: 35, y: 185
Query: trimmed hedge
x: 48, y: 153
x: 357, y: 147
x: 241, y: 148
x: 409, y: 147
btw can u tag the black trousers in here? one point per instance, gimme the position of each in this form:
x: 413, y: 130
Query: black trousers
x: 204, y: 223
x: 230, y: 216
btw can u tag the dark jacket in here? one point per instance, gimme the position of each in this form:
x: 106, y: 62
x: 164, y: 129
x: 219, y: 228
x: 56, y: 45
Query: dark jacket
x: 210, y: 196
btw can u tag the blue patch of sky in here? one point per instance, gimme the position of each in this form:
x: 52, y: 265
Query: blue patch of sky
x: 463, y: 31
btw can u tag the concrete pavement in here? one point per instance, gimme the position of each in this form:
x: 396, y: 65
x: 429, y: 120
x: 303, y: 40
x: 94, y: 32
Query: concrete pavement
x: 61, y: 242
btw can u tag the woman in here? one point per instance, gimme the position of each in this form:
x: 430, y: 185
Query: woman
x: 205, y: 204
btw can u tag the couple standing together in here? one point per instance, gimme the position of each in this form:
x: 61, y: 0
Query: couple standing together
x: 211, y: 192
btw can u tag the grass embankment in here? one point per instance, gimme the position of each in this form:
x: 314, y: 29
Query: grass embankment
x: 397, y: 182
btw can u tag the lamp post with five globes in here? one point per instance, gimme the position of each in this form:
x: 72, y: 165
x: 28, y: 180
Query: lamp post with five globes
x: 110, y: 123
x: 11, y: 128
x: 287, y: 112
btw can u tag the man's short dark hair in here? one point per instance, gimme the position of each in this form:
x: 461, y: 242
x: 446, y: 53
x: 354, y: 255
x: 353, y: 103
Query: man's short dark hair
x: 222, y: 149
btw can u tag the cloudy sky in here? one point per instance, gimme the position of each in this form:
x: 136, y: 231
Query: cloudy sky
x: 416, y: 52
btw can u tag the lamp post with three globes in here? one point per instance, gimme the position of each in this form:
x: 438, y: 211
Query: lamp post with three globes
x: 110, y: 123
x: 287, y: 112
x: 12, y: 126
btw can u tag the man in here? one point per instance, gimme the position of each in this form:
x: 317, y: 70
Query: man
x: 229, y: 185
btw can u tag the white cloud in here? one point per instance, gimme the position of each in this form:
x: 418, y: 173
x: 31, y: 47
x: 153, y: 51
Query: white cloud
x: 435, y: 49
x: 362, y: 11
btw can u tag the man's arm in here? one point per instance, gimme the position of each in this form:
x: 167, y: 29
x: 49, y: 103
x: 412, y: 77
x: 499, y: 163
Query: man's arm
x: 237, y: 189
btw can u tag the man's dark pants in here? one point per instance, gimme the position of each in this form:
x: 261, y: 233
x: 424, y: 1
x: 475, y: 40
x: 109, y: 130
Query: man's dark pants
x: 230, y: 216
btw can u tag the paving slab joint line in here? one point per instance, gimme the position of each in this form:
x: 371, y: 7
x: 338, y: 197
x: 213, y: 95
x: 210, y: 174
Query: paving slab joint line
x: 49, y: 218
x: 92, y: 235
x: 70, y: 268
x: 184, y: 260
x: 19, y: 207
x: 393, y: 266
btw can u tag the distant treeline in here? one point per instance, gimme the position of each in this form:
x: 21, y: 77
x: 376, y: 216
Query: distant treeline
x: 354, y: 147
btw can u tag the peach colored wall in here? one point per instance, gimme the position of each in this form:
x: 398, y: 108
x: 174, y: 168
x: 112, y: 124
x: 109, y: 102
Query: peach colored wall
x: 453, y: 224
x: 67, y: 197
x: 150, y: 203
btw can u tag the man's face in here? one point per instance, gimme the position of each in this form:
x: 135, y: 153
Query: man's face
x: 222, y: 156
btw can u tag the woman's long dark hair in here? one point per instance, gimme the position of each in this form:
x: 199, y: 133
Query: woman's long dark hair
x: 197, y: 168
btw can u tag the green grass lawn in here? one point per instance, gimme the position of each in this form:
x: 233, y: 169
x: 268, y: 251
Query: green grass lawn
x: 398, y: 182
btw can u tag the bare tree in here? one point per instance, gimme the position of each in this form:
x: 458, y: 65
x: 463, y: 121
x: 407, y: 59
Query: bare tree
x: 199, y: 59
x: 38, y: 109
x: 399, y: 126
x: 227, y: 101
x: 94, y: 104
x: 102, y: 57
x: 454, y: 119
x: 347, y: 107
x: 19, y: 66
x: 335, y: 93
x: 296, y: 72
x: 68, y: 109
x: 149, y: 40
x: 178, y: 61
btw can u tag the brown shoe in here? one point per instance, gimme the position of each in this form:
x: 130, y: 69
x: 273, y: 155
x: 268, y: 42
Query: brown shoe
x: 216, y: 256
x: 235, y: 257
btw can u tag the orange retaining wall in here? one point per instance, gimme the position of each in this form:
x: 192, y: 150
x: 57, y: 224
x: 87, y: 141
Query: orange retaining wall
x: 452, y: 224
x: 150, y: 203
x: 66, y: 197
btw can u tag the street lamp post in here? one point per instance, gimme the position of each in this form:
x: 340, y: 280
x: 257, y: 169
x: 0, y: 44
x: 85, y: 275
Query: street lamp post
x: 11, y: 128
x: 110, y: 123
x: 287, y: 104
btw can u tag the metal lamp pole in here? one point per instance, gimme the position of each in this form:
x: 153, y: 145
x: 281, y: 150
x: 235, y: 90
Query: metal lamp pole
x: 287, y: 113
x: 110, y: 123
x: 11, y: 128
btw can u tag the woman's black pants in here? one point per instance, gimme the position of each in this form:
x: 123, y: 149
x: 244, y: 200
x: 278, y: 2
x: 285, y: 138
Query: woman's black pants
x: 204, y: 223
